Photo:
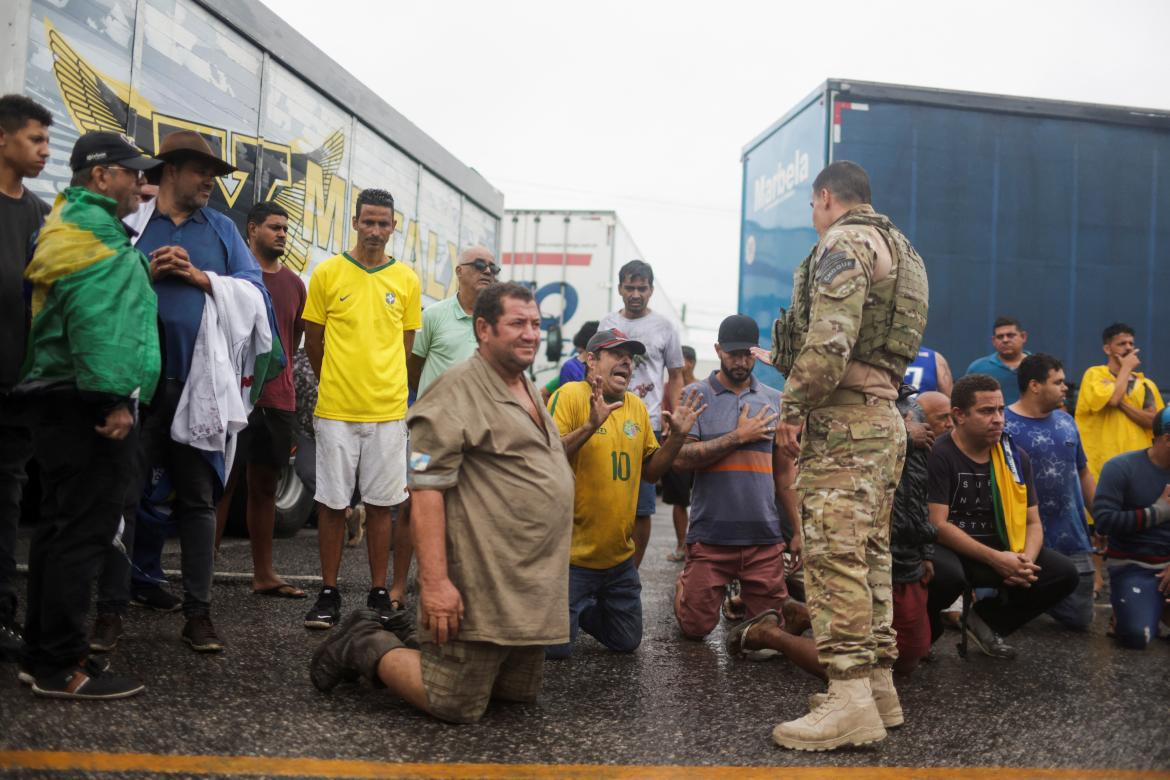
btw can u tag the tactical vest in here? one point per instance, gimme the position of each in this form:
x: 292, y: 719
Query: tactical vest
x: 893, y: 318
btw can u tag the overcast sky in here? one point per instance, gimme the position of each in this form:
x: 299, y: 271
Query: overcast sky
x: 644, y: 107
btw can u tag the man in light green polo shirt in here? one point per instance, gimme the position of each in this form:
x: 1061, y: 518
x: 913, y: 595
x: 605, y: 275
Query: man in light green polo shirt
x: 447, y: 336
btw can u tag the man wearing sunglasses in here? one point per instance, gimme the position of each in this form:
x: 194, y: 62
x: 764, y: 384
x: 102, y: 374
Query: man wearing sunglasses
x: 93, y: 356
x: 447, y: 336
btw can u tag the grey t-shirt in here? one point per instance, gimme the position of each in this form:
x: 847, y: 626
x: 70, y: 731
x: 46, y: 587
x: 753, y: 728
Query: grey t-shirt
x: 663, y: 351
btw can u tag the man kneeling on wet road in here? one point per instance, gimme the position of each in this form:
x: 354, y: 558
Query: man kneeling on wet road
x: 491, y: 525
x: 611, y: 447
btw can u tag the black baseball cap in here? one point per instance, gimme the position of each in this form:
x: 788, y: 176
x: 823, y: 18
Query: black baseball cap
x: 105, y: 148
x: 611, y: 338
x: 737, y: 332
x: 1162, y: 422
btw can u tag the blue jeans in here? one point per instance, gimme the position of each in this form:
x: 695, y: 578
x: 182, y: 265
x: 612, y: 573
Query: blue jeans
x: 1137, y: 604
x: 1076, y: 610
x: 607, y: 604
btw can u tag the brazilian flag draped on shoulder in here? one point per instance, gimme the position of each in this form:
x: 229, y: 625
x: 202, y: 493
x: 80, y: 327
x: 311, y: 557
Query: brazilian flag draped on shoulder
x: 1009, y: 494
x: 94, y: 311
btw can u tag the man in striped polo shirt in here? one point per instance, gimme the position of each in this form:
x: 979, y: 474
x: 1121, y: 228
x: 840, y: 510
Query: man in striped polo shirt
x: 743, y: 484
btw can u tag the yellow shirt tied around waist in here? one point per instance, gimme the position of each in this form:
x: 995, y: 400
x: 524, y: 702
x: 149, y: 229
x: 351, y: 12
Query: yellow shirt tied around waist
x: 364, y: 311
x: 1105, y: 430
x: 608, y: 473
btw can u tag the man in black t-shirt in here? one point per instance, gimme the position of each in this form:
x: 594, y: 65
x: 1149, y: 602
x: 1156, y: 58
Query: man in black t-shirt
x: 24, y: 148
x: 971, y: 551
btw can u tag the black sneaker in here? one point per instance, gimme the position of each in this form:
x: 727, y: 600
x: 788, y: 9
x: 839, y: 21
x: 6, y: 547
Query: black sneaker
x: 989, y: 643
x: 107, y: 630
x: 87, y: 680
x: 156, y: 598
x: 395, y: 619
x: 326, y: 611
x: 200, y: 634
x: 11, y: 641
x: 98, y: 663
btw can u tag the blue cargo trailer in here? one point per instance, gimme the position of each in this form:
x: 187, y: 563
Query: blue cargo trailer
x: 1056, y: 213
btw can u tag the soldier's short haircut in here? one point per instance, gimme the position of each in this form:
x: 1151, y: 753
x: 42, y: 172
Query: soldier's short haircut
x: 260, y: 213
x: 689, y: 354
x: 1036, y: 367
x: 373, y: 197
x: 1115, y: 330
x: 490, y: 303
x: 1004, y: 322
x: 636, y: 269
x: 18, y: 110
x: 963, y: 393
x: 847, y: 180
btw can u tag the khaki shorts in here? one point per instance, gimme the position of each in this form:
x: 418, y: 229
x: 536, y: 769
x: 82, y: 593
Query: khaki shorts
x: 461, y: 677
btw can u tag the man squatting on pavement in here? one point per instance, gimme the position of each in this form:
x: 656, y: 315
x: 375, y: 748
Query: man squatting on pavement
x: 982, y: 500
x: 859, y: 306
x: 612, y: 449
x: 492, y: 523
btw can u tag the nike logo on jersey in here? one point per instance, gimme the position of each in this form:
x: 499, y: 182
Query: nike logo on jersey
x: 345, y: 296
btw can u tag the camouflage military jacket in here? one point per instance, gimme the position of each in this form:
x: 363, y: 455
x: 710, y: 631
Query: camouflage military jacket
x: 839, y: 275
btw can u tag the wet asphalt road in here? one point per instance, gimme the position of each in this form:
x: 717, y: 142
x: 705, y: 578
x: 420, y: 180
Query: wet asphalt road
x: 1069, y: 700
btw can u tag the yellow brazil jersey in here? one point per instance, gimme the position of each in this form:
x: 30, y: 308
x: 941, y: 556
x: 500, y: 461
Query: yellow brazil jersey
x: 608, y: 473
x: 364, y: 311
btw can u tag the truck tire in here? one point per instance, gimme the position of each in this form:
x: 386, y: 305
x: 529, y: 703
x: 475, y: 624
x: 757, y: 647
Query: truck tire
x: 294, y: 506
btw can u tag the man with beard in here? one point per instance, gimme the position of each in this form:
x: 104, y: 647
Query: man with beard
x: 611, y: 446
x: 491, y: 492
x: 1039, y: 425
x: 743, y: 486
x: 265, y: 445
x: 185, y: 241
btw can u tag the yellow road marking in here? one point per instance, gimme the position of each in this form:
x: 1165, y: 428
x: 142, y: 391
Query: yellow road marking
x: 63, y: 761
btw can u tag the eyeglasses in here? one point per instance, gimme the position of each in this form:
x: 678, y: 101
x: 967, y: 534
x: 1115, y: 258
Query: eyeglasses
x: 139, y: 175
x: 483, y: 265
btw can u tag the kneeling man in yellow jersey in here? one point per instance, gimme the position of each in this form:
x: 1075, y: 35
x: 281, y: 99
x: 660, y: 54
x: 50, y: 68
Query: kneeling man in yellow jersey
x: 611, y: 446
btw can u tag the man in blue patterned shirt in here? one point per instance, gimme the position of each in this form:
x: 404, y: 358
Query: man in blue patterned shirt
x: 1064, y: 484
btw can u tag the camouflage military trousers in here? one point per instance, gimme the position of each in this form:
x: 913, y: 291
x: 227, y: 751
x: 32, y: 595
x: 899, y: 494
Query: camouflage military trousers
x: 851, y: 458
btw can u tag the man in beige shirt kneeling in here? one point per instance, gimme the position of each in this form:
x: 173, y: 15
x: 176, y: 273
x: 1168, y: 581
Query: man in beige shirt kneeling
x: 490, y: 484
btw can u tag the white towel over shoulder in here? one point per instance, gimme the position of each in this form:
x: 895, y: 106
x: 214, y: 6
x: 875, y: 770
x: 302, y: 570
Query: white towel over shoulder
x: 217, y: 397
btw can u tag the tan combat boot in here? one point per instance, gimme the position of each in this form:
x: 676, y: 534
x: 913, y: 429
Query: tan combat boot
x: 885, y: 696
x: 847, y: 716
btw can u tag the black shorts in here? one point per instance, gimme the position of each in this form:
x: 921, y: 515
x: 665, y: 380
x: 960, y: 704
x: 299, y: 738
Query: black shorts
x: 676, y: 487
x: 268, y: 439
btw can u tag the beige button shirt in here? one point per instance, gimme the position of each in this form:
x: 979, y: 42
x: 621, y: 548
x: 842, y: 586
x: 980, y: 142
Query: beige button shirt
x: 508, y: 495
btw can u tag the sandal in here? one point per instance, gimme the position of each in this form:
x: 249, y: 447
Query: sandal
x: 737, y: 636
x: 281, y: 591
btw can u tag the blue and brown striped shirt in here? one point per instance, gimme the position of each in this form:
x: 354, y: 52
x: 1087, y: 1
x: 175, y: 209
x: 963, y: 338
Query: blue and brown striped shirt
x: 733, y: 502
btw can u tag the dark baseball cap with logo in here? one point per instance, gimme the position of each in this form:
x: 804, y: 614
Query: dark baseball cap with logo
x: 737, y: 332
x: 105, y: 148
x: 611, y: 339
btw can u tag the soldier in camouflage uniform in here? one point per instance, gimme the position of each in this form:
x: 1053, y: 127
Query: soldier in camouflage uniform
x: 858, y: 311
